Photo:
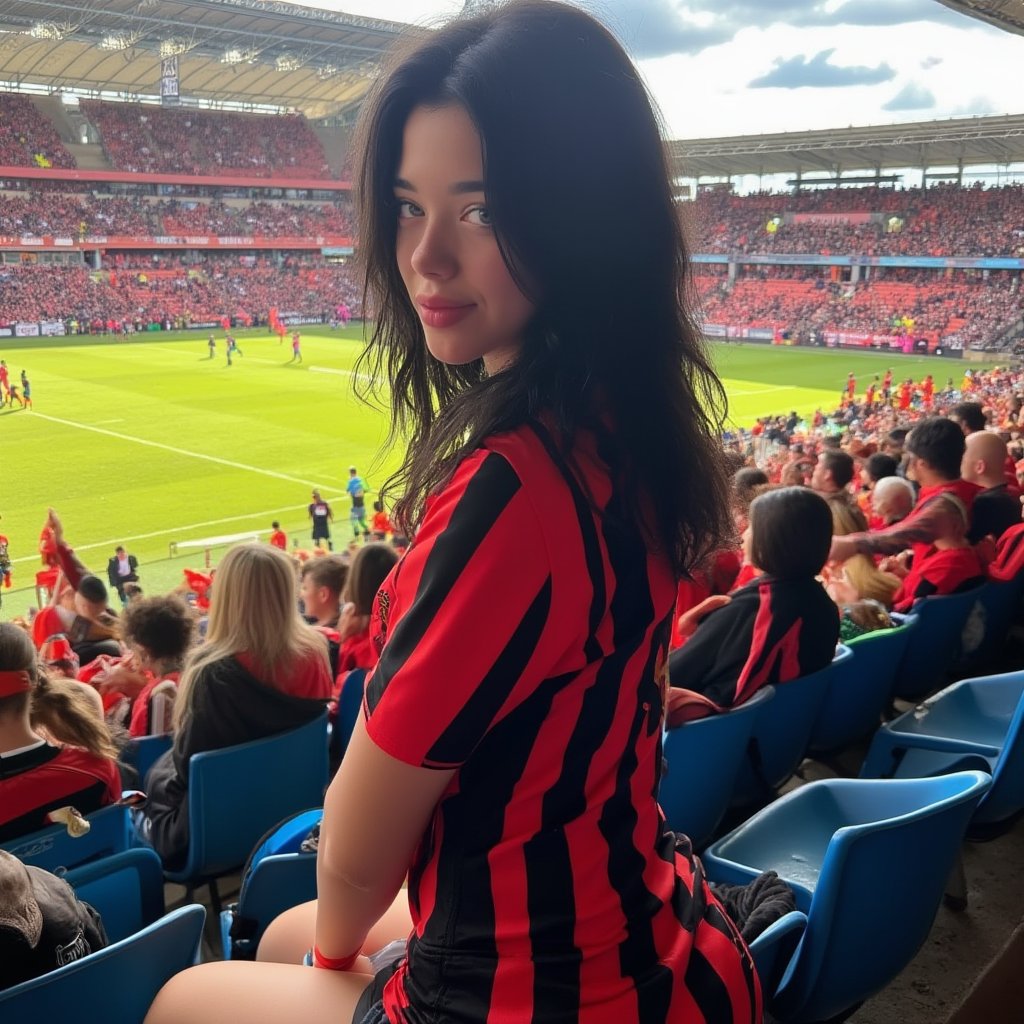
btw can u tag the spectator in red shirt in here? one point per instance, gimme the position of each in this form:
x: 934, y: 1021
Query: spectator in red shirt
x: 369, y: 569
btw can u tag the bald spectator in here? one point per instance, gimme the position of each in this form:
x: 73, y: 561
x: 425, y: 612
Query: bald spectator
x: 995, y: 509
x: 892, y: 499
x: 934, y: 451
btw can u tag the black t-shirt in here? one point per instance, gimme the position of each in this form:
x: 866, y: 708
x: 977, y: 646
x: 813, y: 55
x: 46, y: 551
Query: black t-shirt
x: 993, y: 512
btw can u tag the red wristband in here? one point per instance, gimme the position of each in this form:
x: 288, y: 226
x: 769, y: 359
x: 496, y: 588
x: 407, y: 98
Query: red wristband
x: 329, y: 964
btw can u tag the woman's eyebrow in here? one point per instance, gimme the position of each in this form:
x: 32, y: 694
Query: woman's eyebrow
x: 458, y: 189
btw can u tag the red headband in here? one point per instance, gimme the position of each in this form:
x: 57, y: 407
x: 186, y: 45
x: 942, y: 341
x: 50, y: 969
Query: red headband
x: 19, y: 681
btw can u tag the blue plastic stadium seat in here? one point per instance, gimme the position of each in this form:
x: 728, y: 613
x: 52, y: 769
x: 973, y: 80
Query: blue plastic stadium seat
x: 868, y: 861
x: 782, y: 732
x: 143, y: 751
x: 127, y: 889
x: 349, y: 703
x: 937, y: 644
x: 976, y: 723
x: 51, y: 848
x: 703, y: 759
x: 115, y: 985
x: 237, y: 794
x: 860, y: 688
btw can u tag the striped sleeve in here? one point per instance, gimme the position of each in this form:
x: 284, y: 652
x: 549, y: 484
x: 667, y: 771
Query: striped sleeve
x: 469, y: 606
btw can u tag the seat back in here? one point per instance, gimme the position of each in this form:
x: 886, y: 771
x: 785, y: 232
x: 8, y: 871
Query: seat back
x: 127, y: 889
x: 1006, y: 796
x: 276, y: 884
x: 349, y: 703
x: 782, y: 732
x: 51, y: 848
x: 773, y: 950
x: 143, y: 751
x: 935, y: 646
x: 709, y: 751
x: 860, y: 688
x: 880, y: 886
x: 237, y: 794
x: 1000, y: 600
x: 117, y: 984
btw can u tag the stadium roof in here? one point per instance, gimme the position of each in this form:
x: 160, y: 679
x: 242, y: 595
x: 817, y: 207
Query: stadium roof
x: 969, y: 141
x: 245, y: 51
x: 1005, y: 14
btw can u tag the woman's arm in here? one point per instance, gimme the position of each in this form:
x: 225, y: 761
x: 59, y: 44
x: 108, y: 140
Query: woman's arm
x: 375, y: 814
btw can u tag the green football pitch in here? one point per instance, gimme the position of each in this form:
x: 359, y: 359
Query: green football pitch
x: 148, y: 442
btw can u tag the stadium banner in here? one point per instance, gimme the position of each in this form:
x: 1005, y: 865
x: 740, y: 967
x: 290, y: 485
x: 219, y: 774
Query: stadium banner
x: 6, y: 332
x: 52, y: 328
x: 830, y: 218
x: 298, y: 319
x: 169, y: 94
x: 919, y: 262
x: 758, y: 333
x: 22, y: 330
x: 714, y: 330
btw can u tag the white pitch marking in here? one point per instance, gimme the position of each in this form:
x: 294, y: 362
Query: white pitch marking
x: 182, y: 451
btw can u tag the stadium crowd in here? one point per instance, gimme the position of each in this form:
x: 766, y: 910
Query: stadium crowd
x: 77, y: 215
x: 149, y: 139
x: 939, y: 221
x: 108, y: 301
x: 27, y: 139
x: 960, y: 309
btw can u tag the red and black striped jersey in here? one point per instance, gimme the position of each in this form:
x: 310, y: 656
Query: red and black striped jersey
x: 523, y: 642
x: 43, y: 778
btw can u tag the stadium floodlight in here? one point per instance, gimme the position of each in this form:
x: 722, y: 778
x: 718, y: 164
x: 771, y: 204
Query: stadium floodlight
x: 288, y: 62
x: 116, y: 41
x: 236, y: 56
x: 326, y: 71
x: 172, y: 47
x: 47, y: 30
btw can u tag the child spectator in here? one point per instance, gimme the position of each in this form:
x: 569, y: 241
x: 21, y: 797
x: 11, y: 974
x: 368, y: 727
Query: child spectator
x: 261, y: 671
x: 159, y: 631
x: 55, y: 749
x: 779, y: 627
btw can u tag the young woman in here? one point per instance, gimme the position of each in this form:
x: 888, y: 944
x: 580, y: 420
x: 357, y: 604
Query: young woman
x: 55, y: 749
x: 778, y: 627
x: 369, y: 569
x: 525, y: 254
x: 261, y: 671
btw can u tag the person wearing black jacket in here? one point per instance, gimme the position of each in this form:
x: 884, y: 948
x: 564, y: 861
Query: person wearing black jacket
x: 262, y: 671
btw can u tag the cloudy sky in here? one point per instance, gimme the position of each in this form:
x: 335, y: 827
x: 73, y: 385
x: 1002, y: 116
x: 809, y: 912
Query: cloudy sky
x: 732, y: 67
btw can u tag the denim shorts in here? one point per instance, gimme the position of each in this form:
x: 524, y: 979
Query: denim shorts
x: 370, y: 1008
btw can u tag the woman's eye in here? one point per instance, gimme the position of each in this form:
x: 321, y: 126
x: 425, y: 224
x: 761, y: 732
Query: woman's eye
x: 407, y: 208
x: 479, y: 216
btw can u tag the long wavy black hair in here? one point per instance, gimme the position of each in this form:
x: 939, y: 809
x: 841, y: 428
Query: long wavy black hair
x: 577, y: 187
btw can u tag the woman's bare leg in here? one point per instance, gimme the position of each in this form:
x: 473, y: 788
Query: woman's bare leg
x: 290, y: 935
x: 258, y: 994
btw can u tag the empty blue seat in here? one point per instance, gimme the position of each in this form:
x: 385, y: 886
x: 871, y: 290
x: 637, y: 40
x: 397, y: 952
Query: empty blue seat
x: 782, y: 732
x: 116, y: 985
x: 237, y: 794
x: 868, y: 861
x: 937, y: 644
x: 51, y: 848
x: 703, y: 759
x: 773, y: 949
x: 999, y: 602
x: 127, y: 889
x: 860, y: 688
x: 976, y: 723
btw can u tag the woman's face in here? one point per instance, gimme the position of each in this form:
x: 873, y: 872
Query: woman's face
x: 448, y: 255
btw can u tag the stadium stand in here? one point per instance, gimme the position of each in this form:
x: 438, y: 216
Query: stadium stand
x: 27, y: 139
